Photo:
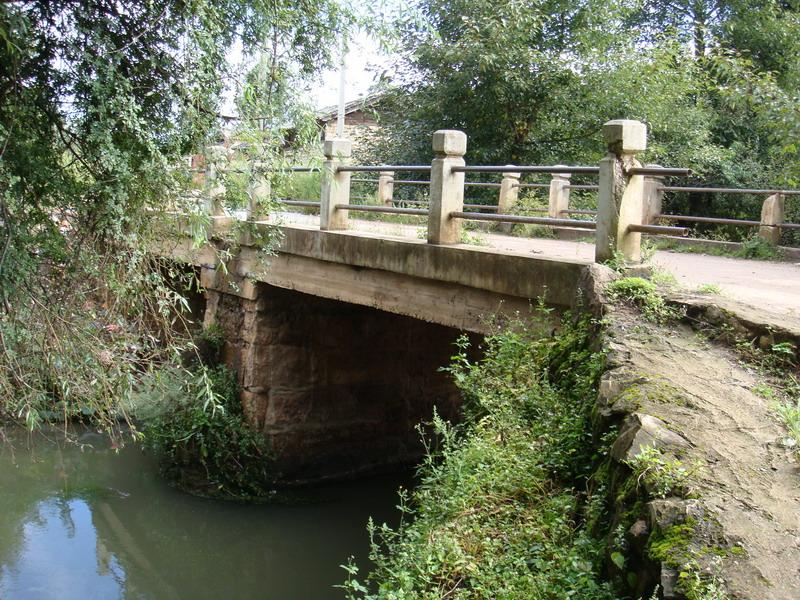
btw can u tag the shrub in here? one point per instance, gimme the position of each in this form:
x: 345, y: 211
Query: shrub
x: 193, y: 420
x: 643, y: 294
x: 496, y: 513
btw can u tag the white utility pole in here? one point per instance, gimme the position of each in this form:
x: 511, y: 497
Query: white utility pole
x: 340, y: 115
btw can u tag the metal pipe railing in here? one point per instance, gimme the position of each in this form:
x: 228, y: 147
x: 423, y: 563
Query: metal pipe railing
x: 482, y: 184
x: 526, y: 169
x: 672, y: 188
x: 660, y: 171
x: 532, y: 185
x: 392, y: 210
x: 379, y: 168
x: 489, y: 207
x: 581, y: 186
x: 521, y: 219
x: 714, y: 220
x: 659, y: 230
x: 304, y: 203
x: 411, y: 181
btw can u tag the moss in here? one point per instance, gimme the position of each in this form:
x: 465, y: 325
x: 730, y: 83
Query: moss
x: 651, y: 390
x: 643, y: 294
x: 672, y: 546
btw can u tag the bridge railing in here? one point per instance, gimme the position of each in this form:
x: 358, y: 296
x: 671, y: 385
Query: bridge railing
x: 629, y: 195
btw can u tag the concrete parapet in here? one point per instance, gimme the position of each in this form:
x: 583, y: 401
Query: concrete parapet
x: 559, y: 195
x: 447, y: 187
x: 335, y: 185
x: 653, y: 197
x: 215, y: 188
x: 259, y: 192
x: 509, y: 193
x: 620, y: 199
x: 772, y: 215
x: 386, y: 187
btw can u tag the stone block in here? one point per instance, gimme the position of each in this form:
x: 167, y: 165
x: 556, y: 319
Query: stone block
x: 639, y: 431
x: 288, y: 408
x: 625, y: 136
x: 290, y: 365
x: 254, y: 406
x: 337, y: 147
x: 666, y: 512
x: 450, y: 142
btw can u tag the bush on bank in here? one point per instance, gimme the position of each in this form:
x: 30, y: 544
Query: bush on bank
x: 502, y: 509
x: 192, y: 418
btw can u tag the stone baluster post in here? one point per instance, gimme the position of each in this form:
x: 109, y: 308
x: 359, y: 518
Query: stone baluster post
x: 653, y: 197
x: 558, y: 201
x: 447, y: 187
x: 259, y: 192
x: 215, y: 186
x: 335, y: 185
x: 386, y: 188
x: 772, y: 215
x: 620, y: 198
x: 509, y: 194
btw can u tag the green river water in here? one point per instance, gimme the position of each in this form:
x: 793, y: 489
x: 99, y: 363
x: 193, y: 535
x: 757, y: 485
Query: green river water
x: 93, y: 523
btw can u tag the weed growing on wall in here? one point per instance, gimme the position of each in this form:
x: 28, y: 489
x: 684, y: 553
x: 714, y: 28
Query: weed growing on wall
x: 499, y: 511
x: 644, y: 295
x: 192, y: 417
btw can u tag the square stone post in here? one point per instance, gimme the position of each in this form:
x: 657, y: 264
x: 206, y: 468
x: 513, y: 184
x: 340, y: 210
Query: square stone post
x: 653, y: 197
x: 447, y: 188
x: 259, y: 191
x: 509, y: 193
x: 335, y: 185
x: 558, y: 200
x: 772, y: 215
x: 386, y: 188
x: 620, y: 199
x: 215, y: 188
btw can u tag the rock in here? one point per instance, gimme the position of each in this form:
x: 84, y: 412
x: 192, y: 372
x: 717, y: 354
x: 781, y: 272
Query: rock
x: 639, y: 431
x: 664, y: 513
x: 637, y: 536
x: 669, y: 583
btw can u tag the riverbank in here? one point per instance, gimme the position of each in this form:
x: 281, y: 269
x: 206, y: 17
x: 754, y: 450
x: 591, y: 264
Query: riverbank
x: 639, y: 456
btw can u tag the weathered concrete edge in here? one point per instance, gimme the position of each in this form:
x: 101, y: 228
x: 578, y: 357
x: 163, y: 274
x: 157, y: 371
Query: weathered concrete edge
x: 502, y: 273
x: 507, y: 274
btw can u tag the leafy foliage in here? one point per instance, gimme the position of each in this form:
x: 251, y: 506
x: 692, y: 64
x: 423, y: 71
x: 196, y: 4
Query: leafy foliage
x: 193, y: 420
x: 496, y: 514
x: 644, y: 294
x: 98, y: 103
x: 532, y: 83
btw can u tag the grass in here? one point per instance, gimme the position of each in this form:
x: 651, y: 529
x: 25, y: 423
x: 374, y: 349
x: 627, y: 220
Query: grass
x: 753, y: 247
x: 498, y: 512
x: 709, y: 289
x: 661, y: 475
x: 643, y: 294
x: 789, y: 413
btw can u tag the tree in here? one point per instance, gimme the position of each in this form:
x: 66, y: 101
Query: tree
x: 533, y: 82
x: 98, y: 101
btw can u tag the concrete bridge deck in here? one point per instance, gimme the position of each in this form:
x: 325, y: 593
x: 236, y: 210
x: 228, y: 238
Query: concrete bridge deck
x: 770, y: 287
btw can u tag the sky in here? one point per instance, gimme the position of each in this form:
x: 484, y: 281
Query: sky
x: 362, y: 58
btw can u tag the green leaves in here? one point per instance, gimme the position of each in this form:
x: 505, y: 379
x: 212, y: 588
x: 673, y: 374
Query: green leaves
x: 495, y: 514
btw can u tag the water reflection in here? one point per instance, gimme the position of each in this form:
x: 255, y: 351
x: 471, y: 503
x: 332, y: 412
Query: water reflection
x: 100, y: 524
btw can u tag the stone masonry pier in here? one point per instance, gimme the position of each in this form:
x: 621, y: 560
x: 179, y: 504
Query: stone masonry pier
x: 338, y: 344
